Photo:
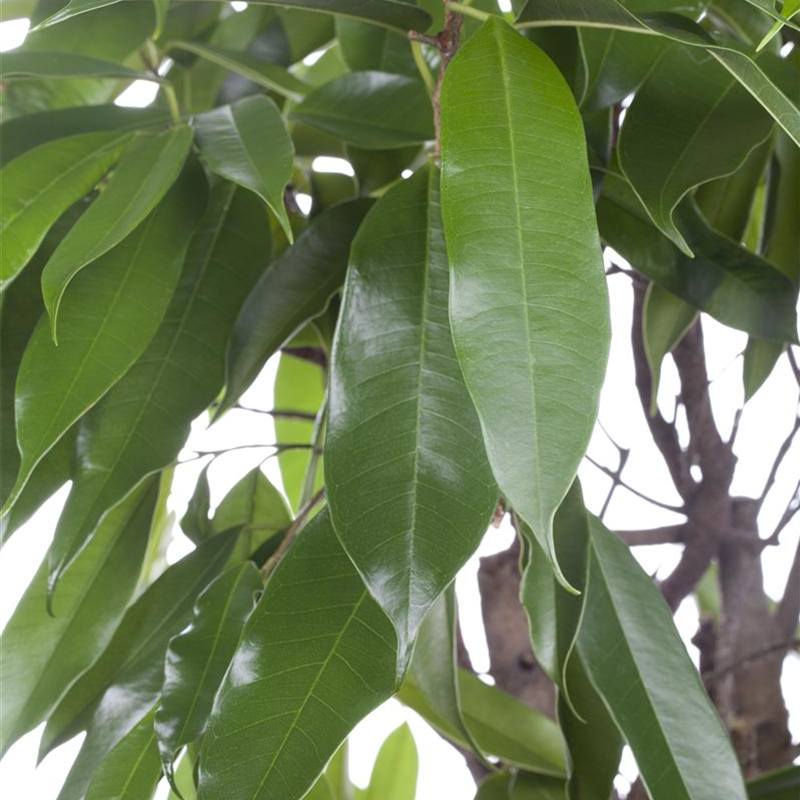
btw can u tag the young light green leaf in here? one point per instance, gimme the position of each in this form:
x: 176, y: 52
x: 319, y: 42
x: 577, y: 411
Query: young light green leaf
x: 40, y: 186
x: 665, y: 320
x: 178, y: 375
x: 394, y: 776
x: 265, y: 73
x: 40, y: 654
x: 528, y: 300
x: 247, y: 143
x: 132, y: 769
x: 410, y: 490
x: 144, y: 175
x: 111, y: 313
x: 650, y: 685
x: 328, y: 654
x: 373, y: 110
x: 295, y: 288
x: 198, y: 657
x: 31, y: 64
x: 663, y: 163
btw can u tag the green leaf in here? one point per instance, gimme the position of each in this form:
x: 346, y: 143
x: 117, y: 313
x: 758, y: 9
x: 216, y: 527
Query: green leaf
x: 536, y: 787
x: 394, y: 776
x: 410, y: 490
x: 373, y: 110
x: 299, y: 386
x: 495, y: 787
x: 388, y: 13
x: 31, y: 64
x: 144, y: 175
x: 177, y: 376
x: 126, y: 679
x: 517, y: 207
x: 195, y: 523
x: 665, y: 320
x: 295, y: 288
x: 665, y: 162
x: 40, y: 654
x: 365, y: 48
x: 262, y: 72
x: 40, y: 186
x: 111, y: 313
x: 184, y: 778
x: 247, y: 143
x: 501, y: 725
x: 198, y: 657
x: 132, y: 769
x: 639, y: 665
x: 376, y: 169
x: 760, y: 357
x: 779, y: 784
x: 766, y: 79
x: 326, y: 651
x: 783, y: 209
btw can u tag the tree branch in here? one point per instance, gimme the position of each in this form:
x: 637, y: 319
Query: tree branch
x: 613, y: 475
x: 788, y: 610
x: 715, y: 675
x: 786, y: 445
x: 669, y: 534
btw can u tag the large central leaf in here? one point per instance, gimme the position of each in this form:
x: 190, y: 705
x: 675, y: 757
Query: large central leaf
x: 410, y: 490
x: 528, y: 301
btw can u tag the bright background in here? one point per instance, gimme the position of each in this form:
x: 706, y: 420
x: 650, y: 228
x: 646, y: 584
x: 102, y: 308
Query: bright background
x: 765, y: 422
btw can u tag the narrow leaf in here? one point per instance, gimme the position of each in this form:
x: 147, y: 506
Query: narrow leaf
x: 410, y: 490
x: 32, y: 64
x: 247, y: 143
x: 394, y: 776
x: 528, y: 301
x: 327, y: 653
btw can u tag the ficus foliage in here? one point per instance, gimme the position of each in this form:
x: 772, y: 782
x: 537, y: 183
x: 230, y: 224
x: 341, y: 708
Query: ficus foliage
x: 449, y: 305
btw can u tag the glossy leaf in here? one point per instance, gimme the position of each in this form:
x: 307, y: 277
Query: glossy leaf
x: 40, y: 654
x: 527, y: 290
x: 111, y: 313
x: 665, y: 320
x: 132, y: 769
x: 125, y: 681
x: 394, y: 776
x: 650, y: 686
x: 142, y: 178
x: 341, y: 667
x: 247, y: 143
x: 42, y: 185
x: 664, y: 162
x: 176, y: 378
x: 295, y: 288
x: 373, y: 110
x: 198, y: 657
x: 31, y: 64
x: 410, y: 491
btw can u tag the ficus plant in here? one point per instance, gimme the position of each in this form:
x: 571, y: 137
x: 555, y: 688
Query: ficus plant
x: 442, y: 319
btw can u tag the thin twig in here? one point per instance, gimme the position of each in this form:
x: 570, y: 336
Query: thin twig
x: 776, y: 464
x: 280, y: 413
x: 792, y: 507
x: 611, y: 474
x: 793, y: 364
x: 669, y: 534
x: 291, y: 534
x: 714, y: 675
x: 277, y: 447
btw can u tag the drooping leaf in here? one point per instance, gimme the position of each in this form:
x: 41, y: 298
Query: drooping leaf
x: 394, y: 776
x: 198, y: 657
x: 144, y: 175
x: 295, y: 288
x: 528, y: 302
x: 132, y: 769
x: 125, y: 681
x: 364, y: 48
x: 178, y: 375
x: 664, y: 161
x: 373, y: 110
x: 328, y: 654
x: 410, y: 490
x: 32, y: 64
x: 784, y: 207
x: 41, y: 655
x: 247, y: 143
x: 665, y: 320
x: 42, y: 185
x: 635, y: 658
x: 111, y: 313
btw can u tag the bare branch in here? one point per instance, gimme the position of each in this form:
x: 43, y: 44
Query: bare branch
x: 792, y: 507
x: 613, y: 475
x: 788, y: 610
x: 623, y: 453
x: 764, y: 652
x: 793, y: 364
x: 669, y: 534
x: 786, y: 445
x: 279, y: 413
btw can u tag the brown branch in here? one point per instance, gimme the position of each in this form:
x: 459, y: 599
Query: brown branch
x: 612, y: 474
x: 792, y: 507
x: 786, y: 445
x: 788, y: 610
x: 623, y: 453
x: 793, y: 364
x: 447, y: 41
x: 669, y: 534
x: 757, y: 655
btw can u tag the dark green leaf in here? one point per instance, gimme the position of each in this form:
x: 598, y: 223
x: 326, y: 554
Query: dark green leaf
x: 394, y: 776
x: 784, y: 209
x: 144, y: 175
x: 517, y: 208
x: 198, y: 657
x: 247, y: 143
x: 41, y: 655
x: 376, y: 169
x: 195, y: 523
x: 40, y: 186
x: 536, y: 787
x: 31, y: 64
x: 374, y: 110
x: 326, y: 651
x: 409, y: 487
x: 295, y: 288
x: 110, y: 315
x: 780, y: 784
x: 760, y: 357
x: 365, y: 48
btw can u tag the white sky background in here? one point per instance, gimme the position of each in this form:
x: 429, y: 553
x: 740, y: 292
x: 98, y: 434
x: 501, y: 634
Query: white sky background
x: 765, y: 423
